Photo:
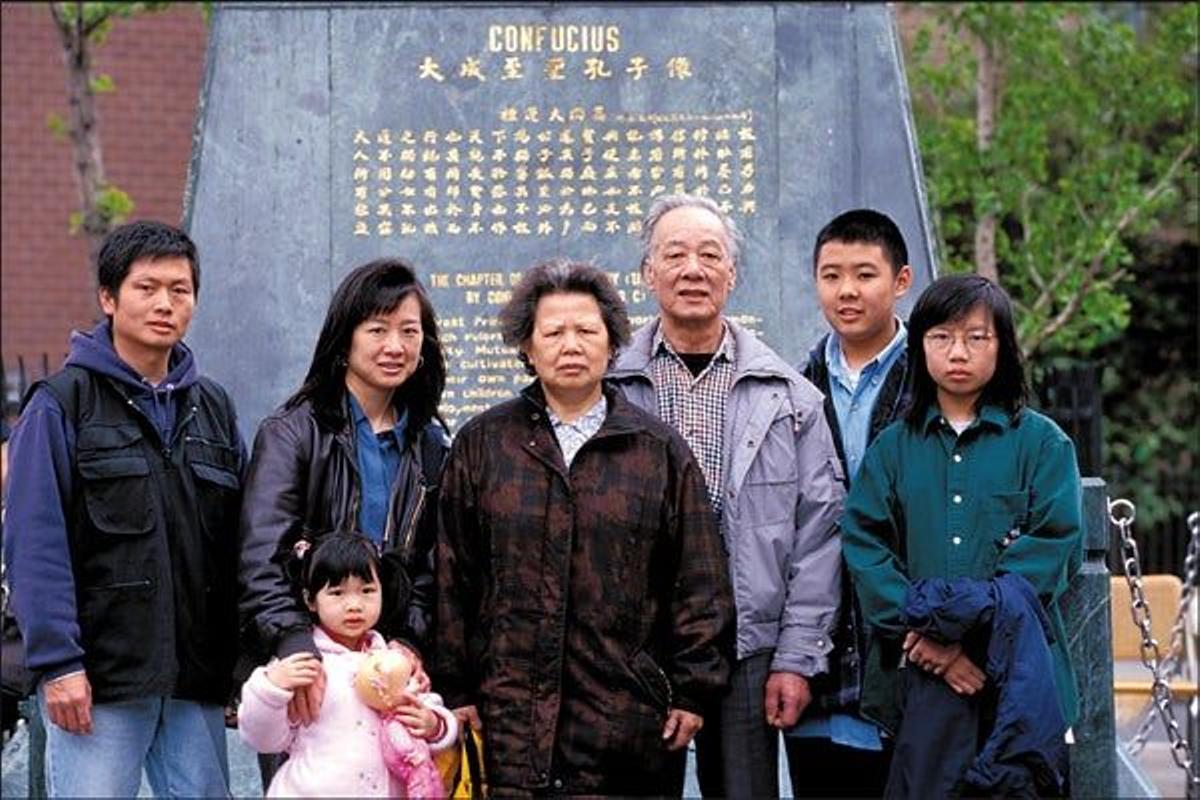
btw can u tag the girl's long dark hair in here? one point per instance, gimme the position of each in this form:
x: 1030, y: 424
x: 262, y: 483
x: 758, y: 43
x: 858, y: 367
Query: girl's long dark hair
x: 951, y: 298
x: 374, y: 288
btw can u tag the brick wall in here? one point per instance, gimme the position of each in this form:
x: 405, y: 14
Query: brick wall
x: 157, y: 62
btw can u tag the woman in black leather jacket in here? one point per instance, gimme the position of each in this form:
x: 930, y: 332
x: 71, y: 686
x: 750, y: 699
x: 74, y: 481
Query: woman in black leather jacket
x: 359, y: 447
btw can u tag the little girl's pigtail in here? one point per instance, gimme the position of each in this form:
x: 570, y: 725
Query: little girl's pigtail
x: 298, y: 563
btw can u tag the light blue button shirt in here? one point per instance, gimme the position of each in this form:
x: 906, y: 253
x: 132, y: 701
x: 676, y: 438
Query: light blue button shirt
x: 379, y: 456
x: 842, y: 729
x: 853, y: 400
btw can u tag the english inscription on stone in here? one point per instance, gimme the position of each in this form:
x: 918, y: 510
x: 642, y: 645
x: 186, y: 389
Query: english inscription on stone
x: 477, y: 141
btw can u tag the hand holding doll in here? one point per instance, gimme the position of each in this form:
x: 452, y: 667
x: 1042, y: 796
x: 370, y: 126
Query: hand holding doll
x: 385, y: 682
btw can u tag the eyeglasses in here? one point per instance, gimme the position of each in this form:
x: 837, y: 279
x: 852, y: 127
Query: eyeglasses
x: 974, y: 341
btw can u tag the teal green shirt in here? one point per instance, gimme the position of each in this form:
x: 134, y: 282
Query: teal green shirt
x: 1004, y: 496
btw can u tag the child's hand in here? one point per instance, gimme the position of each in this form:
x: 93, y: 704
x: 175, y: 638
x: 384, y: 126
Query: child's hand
x: 421, y: 722
x: 295, y: 671
x: 928, y: 654
x: 963, y: 676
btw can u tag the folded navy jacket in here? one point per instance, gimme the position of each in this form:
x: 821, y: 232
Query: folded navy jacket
x: 1017, y: 717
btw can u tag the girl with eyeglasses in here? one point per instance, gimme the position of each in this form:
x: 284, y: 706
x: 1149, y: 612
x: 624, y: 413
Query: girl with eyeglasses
x: 962, y: 530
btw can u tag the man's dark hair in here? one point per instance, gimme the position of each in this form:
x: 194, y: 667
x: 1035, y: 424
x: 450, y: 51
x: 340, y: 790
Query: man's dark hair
x: 949, y: 299
x: 139, y: 240
x: 338, y: 556
x: 560, y: 277
x: 865, y: 226
x: 377, y: 287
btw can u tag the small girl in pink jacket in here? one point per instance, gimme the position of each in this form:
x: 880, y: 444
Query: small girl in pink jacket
x: 341, y: 753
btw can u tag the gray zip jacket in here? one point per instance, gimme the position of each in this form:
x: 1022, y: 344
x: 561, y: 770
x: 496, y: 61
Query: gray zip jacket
x: 783, y: 497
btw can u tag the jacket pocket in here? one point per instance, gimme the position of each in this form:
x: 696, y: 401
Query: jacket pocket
x: 768, y: 502
x: 213, y: 462
x: 769, y: 491
x: 632, y: 750
x: 218, y: 486
x: 116, y: 490
x: 223, y: 478
x: 114, y: 618
x: 652, y: 679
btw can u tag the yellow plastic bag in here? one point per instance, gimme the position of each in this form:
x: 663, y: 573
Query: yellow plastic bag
x: 462, y: 769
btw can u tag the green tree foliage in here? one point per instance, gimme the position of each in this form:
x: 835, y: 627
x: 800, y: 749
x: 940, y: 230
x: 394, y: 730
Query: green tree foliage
x: 1060, y: 135
x: 1151, y: 397
x: 1088, y: 173
x: 81, y: 28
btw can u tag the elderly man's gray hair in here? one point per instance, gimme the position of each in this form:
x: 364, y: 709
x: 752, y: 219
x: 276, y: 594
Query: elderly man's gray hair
x: 669, y: 202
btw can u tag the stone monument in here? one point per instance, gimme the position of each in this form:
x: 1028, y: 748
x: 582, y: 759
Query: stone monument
x: 476, y: 141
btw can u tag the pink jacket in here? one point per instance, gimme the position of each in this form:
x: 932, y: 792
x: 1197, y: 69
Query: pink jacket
x: 340, y: 754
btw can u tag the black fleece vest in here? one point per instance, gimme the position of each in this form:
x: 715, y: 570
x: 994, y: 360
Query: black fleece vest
x: 152, y: 527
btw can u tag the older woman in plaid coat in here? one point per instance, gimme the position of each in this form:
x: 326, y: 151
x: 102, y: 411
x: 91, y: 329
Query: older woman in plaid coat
x: 585, y: 613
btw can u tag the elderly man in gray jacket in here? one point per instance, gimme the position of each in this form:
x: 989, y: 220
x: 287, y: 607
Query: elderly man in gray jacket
x: 774, y: 481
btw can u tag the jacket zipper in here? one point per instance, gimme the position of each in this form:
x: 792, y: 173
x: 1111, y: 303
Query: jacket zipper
x: 167, y: 444
x: 205, y: 441
x: 667, y: 683
x: 411, y: 532
x: 126, y: 584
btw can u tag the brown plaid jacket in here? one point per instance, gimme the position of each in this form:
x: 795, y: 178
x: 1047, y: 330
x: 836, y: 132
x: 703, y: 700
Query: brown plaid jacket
x: 576, y: 606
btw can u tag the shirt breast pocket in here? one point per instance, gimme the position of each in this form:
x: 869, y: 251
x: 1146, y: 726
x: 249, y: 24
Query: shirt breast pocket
x: 1004, y: 517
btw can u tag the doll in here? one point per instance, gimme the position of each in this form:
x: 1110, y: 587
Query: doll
x: 385, y: 683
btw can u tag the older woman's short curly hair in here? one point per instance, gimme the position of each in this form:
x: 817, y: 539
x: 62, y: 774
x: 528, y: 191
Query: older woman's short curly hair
x: 561, y: 276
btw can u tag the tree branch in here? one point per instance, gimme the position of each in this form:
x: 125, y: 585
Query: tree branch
x: 985, y: 128
x: 1047, y: 294
x: 100, y: 19
x: 1035, y: 274
x: 58, y: 17
x: 79, y: 40
x: 1093, y: 271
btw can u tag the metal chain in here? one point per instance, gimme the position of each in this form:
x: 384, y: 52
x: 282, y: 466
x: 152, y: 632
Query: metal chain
x: 1122, y: 514
x: 1172, y: 664
x: 1175, y: 652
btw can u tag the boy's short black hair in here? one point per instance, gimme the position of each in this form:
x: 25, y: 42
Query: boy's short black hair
x: 138, y: 240
x: 865, y: 226
x: 951, y: 298
x: 336, y: 557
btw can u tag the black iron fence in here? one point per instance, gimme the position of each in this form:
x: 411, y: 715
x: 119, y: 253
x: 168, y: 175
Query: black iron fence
x: 1071, y: 396
x: 18, y: 375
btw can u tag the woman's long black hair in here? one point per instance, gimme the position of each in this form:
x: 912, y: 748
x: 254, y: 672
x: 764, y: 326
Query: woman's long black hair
x: 374, y: 288
x: 951, y: 298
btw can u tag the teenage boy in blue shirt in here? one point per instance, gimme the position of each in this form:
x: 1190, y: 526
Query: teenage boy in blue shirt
x: 860, y: 266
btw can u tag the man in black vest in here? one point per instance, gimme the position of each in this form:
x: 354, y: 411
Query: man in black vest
x: 121, y: 537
